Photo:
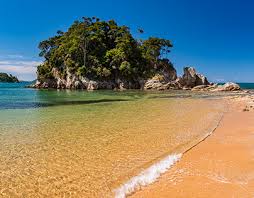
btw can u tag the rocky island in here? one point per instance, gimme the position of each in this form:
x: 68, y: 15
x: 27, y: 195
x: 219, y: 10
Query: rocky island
x: 8, y: 78
x: 94, y: 54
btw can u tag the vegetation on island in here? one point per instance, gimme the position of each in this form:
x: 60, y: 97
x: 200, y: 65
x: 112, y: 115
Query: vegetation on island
x: 8, y: 78
x: 103, y: 50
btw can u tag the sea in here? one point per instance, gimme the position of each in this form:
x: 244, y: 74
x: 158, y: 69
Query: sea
x: 62, y: 143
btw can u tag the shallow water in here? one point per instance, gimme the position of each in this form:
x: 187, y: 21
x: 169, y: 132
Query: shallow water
x: 86, y: 144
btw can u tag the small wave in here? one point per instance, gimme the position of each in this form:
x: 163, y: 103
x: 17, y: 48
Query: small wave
x: 151, y: 174
x: 147, y: 176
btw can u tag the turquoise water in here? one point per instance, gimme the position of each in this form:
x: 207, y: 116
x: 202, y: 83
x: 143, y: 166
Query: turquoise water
x: 16, y: 96
x: 246, y: 85
x: 86, y: 144
x: 243, y: 85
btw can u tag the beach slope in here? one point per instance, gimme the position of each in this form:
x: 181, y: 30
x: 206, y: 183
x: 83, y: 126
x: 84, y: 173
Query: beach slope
x: 222, y: 165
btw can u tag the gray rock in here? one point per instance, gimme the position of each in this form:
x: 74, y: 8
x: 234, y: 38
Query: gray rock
x: 229, y: 86
x: 214, y: 88
x: 174, y: 85
x: 201, y: 80
x: 191, y: 78
x: 152, y: 84
x: 92, y: 85
x: 200, y: 88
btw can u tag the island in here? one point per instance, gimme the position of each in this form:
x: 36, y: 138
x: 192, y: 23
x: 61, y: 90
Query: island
x: 8, y: 78
x: 94, y: 54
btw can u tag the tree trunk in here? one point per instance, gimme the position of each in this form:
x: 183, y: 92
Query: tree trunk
x: 85, y: 53
x: 84, y: 48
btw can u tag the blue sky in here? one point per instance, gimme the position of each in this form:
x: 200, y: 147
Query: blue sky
x: 215, y: 36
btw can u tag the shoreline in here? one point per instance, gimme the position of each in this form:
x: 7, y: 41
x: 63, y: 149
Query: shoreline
x: 185, y: 180
x: 153, y: 173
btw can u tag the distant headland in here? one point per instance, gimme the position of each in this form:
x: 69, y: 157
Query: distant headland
x: 8, y: 78
x: 94, y: 54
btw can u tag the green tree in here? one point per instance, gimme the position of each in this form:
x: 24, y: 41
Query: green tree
x: 102, y: 49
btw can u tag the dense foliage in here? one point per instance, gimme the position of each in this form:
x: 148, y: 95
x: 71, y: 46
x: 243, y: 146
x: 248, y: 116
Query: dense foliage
x: 8, y: 78
x: 102, y: 49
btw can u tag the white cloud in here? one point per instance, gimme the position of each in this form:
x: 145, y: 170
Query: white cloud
x: 24, y: 70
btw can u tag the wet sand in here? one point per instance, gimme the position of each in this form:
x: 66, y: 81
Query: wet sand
x: 220, y: 166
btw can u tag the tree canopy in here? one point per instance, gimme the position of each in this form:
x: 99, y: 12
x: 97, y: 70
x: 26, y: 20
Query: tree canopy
x: 8, y: 78
x: 102, y: 49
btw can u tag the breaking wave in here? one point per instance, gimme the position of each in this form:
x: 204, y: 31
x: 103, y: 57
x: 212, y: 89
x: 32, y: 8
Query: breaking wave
x: 152, y: 173
x: 147, y: 176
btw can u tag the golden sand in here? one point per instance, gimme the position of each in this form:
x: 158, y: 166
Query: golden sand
x: 220, y: 166
x: 89, y: 150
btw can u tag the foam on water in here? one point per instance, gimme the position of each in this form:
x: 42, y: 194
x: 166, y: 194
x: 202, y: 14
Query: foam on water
x: 151, y: 174
x: 147, y: 176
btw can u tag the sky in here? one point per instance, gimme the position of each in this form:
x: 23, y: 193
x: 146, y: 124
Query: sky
x: 214, y: 36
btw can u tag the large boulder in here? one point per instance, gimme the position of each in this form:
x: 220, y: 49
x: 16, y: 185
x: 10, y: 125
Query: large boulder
x: 162, y: 80
x: 162, y: 85
x: 152, y: 84
x: 174, y: 85
x: 229, y: 86
x: 201, y: 80
x: 215, y: 87
x: 191, y: 78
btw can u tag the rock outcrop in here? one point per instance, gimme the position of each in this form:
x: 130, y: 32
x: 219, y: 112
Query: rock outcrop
x: 228, y: 87
x: 215, y: 87
x: 153, y: 84
x: 189, y: 80
x: 161, y: 85
x: 164, y: 80
x: 73, y: 81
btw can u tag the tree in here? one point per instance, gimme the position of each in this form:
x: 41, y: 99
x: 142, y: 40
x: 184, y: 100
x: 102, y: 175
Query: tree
x: 8, y: 78
x: 102, y: 49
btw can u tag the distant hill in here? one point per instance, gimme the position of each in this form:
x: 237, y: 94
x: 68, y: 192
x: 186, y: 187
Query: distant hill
x: 8, y: 78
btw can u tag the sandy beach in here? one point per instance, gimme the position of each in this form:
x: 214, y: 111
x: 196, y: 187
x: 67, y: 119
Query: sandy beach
x: 222, y: 165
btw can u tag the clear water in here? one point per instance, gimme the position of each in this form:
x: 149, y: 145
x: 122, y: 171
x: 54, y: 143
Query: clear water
x: 246, y: 85
x: 86, y: 144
